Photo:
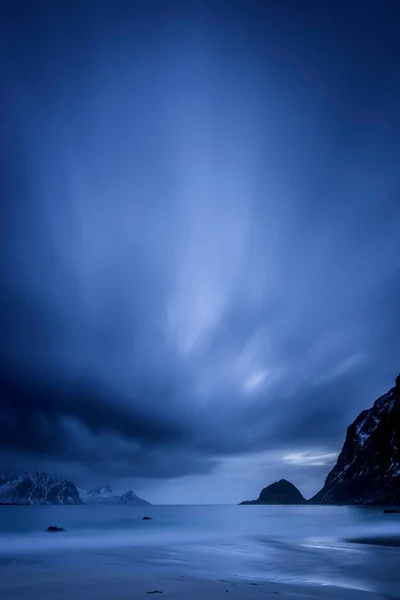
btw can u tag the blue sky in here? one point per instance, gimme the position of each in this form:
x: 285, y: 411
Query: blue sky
x: 201, y: 206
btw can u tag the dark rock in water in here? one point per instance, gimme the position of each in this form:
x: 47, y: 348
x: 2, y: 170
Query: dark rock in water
x: 154, y: 592
x: 52, y: 528
x: 280, y: 492
x: 147, y: 519
x: 367, y: 470
x: 391, y: 511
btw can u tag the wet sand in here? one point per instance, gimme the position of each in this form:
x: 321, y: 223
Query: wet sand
x: 106, y: 585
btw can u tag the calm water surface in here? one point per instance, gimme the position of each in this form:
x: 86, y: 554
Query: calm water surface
x: 292, y: 544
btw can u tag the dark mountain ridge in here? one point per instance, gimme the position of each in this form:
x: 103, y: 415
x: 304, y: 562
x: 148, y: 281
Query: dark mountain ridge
x: 367, y: 471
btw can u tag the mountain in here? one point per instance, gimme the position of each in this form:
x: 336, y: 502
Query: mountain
x: 40, y: 488
x: 97, y: 496
x: 280, y: 492
x: 367, y: 470
x: 105, y: 495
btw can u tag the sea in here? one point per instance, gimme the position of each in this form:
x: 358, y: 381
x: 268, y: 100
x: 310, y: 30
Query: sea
x: 348, y: 547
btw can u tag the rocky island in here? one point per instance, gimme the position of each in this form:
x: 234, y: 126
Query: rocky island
x: 280, y: 492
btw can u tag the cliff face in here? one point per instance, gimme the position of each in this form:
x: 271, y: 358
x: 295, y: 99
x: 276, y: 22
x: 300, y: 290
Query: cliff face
x: 368, y: 468
x: 280, y: 492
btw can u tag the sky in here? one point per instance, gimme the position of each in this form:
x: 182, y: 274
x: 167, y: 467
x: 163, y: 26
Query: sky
x: 200, y: 249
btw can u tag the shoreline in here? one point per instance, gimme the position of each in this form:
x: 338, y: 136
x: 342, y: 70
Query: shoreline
x: 198, y: 554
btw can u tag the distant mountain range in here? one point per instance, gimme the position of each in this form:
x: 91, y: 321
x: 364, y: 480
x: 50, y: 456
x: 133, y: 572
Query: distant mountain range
x: 367, y: 470
x: 40, y: 488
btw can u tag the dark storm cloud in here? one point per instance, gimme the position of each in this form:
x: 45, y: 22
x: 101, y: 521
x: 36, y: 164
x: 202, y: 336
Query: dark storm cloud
x: 38, y: 405
x: 200, y: 251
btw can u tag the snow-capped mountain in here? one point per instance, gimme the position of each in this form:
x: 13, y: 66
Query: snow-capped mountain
x: 97, y: 496
x: 105, y: 495
x: 368, y: 468
x: 40, y: 488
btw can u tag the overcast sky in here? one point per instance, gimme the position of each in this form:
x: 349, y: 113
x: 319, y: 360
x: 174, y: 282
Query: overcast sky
x: 200, y: 263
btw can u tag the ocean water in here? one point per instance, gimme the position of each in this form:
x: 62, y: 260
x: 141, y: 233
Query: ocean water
x: 305, y: 544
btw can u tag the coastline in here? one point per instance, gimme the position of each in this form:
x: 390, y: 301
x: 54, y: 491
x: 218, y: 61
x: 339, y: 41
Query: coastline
x: 199, y: 553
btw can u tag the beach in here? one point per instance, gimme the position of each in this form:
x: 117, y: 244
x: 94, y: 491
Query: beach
x: 199, y: 553
x: 108, y: 585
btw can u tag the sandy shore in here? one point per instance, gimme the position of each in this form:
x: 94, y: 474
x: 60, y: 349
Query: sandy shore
x: 106, y: 586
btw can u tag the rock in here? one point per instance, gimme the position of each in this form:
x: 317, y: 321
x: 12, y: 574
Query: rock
x: 367, y: 470
x: 154, y: 592
x: 280, y: 492
x: 147, y: 519
x: 52, y: 528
